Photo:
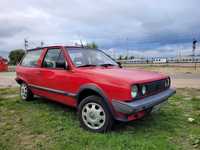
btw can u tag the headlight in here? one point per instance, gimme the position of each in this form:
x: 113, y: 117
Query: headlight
x: 167, y: 82
x: 144, y: 90
x: 134, y: 91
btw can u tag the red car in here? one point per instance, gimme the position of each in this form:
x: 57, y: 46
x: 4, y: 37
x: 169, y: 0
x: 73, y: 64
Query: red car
x: 3, y: 64
x: 90, y: 80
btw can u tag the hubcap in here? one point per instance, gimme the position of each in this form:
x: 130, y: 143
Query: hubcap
x: 24, y: 91
x: 93, y: 115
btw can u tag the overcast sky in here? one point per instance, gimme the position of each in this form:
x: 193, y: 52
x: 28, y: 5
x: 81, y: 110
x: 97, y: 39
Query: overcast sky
x: 143, y: 27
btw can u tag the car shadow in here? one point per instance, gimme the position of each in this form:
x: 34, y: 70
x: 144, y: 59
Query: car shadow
x: 158, y: 121
x: 54, y: 105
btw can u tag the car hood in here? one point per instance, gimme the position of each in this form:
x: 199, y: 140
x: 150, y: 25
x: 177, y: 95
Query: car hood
x: 122, y: 74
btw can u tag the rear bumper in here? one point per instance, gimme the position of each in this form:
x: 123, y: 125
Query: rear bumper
x: 142, y: 104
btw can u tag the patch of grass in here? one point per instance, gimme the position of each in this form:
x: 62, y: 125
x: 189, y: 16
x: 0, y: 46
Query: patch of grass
x: 42, y: 124
x: 7, y: 91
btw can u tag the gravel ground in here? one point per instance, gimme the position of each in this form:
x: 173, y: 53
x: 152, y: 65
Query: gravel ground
x: 179, y: 80
x: 7, y: 79
x: 186, y: 80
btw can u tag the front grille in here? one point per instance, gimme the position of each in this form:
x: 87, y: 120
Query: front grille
x: 152, y: 88
x: 155, y: 87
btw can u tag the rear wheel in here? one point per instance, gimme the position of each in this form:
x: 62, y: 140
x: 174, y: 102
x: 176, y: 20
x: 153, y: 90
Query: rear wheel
x: 94, y: 114
x: 25, y: 92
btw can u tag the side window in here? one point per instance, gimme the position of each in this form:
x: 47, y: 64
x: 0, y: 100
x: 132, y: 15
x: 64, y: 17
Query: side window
x: 54, y: 59
x: 31, y: 58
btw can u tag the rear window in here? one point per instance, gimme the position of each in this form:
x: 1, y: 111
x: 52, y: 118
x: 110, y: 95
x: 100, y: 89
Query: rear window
x: 31, y: 58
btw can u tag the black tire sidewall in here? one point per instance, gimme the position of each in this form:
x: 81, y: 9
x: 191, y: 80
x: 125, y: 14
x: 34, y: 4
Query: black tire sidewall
x: 109, y: 119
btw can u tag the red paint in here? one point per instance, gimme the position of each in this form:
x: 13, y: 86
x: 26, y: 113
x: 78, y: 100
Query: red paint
x: 3, y: 64
x: 136, y: 116
x: 115, y: 82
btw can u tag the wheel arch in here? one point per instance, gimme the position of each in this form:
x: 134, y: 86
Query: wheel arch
x: 20, y: 80
x: 91, y: 89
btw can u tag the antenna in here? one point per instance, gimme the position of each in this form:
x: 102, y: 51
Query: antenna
x: 25, y: 43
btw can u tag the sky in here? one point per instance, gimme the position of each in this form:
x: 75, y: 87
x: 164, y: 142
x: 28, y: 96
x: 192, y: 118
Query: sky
x: 146, y: 28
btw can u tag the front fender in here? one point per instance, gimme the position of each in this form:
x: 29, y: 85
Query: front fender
x: 98, y: 90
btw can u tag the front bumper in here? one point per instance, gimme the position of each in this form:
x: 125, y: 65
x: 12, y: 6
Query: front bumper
x: 142, y: 104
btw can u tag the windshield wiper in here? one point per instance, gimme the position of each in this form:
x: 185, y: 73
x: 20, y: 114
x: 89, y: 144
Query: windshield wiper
x: 92, y: 65
x: 106, y: 65
x: 88, y: 65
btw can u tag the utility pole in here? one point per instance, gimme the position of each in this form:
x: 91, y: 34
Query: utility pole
x: 114, y: 54
x: 194, y: 47
x: 127, y: 51
x: 81, y: 43
x: 42, y: 43
x: 25, y: 44
x: 193, y: 52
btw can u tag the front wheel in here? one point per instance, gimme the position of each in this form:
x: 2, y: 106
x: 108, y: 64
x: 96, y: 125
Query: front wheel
x: 25, y: 92
x: 94, y: 114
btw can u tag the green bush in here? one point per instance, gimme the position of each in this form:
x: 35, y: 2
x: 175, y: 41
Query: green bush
x: 15, y: 56
x: 92, y: 45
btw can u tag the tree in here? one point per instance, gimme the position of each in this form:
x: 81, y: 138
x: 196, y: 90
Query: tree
x: 120, y: 57
x: 126, y: 58
x: 92, y: 45
x: 132, y: 57
x: 15, y: 56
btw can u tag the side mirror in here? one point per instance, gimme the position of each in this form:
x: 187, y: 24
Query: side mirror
x: 120, y: 64
x: 48, y: 64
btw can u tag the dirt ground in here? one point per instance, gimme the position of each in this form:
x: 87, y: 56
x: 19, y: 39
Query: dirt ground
x: 182, y: 77
x: 7, y: 79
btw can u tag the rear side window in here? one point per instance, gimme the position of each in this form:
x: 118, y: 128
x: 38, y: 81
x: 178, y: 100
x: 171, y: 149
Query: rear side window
x: 31, y: 58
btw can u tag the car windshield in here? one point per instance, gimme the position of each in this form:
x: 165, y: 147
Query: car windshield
x: 85, y: 57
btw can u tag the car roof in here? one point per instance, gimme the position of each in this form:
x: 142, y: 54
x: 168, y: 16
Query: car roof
x: 53, y: 46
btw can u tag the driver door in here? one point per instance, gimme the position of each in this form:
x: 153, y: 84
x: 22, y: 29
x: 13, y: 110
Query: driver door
x: 55, y: 77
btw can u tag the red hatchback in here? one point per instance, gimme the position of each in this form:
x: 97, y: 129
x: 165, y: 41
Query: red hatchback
x: 3, y: 64
x: 93, y: 82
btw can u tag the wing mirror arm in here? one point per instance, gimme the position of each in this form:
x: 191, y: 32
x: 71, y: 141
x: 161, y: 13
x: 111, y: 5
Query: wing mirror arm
x: 120, y: 64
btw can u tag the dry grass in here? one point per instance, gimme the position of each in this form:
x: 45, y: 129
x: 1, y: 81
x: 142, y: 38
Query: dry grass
x: 168, y: 69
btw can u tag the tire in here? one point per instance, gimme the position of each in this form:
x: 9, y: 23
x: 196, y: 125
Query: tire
x: 94, y: 114
x: 25, y: 92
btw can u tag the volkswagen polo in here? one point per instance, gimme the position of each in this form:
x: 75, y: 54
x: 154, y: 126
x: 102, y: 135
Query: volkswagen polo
x: 93, y: 82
